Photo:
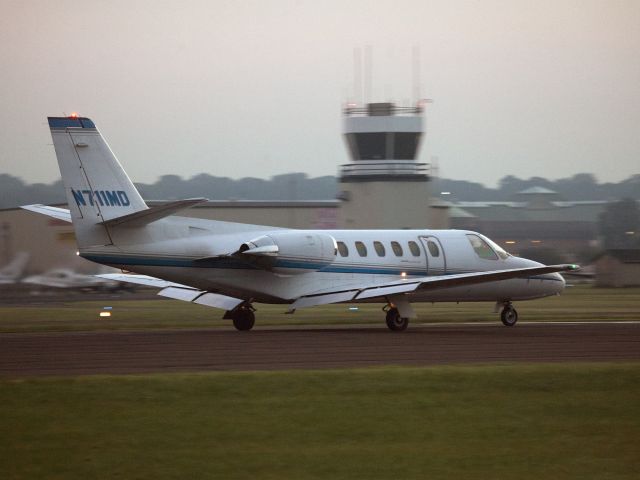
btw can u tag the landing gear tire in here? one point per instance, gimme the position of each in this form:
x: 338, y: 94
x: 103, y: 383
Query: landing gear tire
x: 395, y: 322
x: 509, y: 316
x: 243, y: 319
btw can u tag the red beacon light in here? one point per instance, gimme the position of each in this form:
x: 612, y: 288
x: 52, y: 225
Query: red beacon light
x: 74, y: 115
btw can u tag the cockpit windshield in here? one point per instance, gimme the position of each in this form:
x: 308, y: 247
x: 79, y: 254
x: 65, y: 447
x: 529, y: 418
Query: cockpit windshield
x: 502, y: 253
x: 485, y: 248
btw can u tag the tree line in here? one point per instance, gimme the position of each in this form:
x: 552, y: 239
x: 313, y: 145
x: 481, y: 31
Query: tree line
x: 298, y: 186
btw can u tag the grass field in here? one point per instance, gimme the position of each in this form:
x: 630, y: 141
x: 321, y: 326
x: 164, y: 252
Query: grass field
x: 581, y: 303
x: 560, y: 421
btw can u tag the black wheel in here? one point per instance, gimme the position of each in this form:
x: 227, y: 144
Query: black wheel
x: 509, y: 316
x: 395, y: 322
x: 243, y: 319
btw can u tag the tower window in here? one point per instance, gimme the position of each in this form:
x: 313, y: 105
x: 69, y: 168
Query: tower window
x: 371, y: 146
x: 405, y: 145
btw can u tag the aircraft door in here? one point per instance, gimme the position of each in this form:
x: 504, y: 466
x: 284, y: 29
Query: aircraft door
x: 436, y: 260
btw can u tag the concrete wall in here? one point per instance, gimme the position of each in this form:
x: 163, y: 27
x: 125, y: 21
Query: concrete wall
x: 388, y: 204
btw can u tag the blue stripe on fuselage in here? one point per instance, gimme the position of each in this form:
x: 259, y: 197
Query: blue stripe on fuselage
x: 232, y: 263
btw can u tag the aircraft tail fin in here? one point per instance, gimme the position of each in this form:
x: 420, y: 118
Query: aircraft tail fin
x: 14, y: 269
x: 97, y: 187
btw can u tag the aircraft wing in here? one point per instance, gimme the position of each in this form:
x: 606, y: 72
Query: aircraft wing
x: 140, y: 280
x: 423, y: 283
x: 55, y: 212
x: 177, y: 291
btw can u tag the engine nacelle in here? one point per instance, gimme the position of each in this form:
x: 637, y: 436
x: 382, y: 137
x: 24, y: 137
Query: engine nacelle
x: 291, y: 253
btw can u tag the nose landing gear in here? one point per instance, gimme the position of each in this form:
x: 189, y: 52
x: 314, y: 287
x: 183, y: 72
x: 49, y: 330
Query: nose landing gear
x: 509, y: 315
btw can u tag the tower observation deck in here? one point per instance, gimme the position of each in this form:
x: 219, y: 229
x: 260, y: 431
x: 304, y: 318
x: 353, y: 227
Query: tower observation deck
x: 384, y: 186
x: 383, y: 141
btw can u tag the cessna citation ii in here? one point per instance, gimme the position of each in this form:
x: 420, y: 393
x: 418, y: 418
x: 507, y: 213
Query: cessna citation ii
x: 231, y: 265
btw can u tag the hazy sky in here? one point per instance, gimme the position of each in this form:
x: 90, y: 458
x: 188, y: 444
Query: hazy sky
x: 255, y: 88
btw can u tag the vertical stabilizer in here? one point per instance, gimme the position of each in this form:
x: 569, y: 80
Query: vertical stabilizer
x: 96, y: 185
x: 15, y: 268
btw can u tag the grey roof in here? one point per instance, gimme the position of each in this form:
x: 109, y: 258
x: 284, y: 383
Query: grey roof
x: 537, y: 190
x: 518, y: 212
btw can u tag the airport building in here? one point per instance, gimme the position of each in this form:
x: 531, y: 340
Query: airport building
x: 538, y: 218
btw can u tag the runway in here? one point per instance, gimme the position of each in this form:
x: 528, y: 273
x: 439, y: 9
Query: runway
x: 312, y: 348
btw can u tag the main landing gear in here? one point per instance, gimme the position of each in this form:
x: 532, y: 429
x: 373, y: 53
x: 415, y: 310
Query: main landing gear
x: 242, y: 316
x: 509, y: 315
x: 395, y: 322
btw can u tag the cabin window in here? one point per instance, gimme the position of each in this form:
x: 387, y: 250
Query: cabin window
x: 379, y: 248
x: 415, y: 249
x: 343, y: 249
x: 361, y: 248
x: 433, y: 248
x: 482, y: 248
x: 397, y: 248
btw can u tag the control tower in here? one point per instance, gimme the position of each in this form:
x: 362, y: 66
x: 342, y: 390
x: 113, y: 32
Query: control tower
x: 384, y: 186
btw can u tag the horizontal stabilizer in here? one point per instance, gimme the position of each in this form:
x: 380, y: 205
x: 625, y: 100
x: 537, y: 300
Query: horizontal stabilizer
x: 143, y: 217
x: 59, y: 213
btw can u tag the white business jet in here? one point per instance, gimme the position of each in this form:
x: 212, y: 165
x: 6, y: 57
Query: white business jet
x: 13, y: 270
x: 231, y: 265
x: 66, y: 278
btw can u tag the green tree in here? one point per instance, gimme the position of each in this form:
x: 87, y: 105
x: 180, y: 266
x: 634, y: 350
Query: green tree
x: 619, y: 224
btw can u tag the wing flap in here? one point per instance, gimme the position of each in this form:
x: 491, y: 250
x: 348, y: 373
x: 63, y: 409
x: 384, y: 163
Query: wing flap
x: 390, y: 290
x: 179, y: 293
x: 201, y: 297
x: 311, y: 301
x: 218, y: 301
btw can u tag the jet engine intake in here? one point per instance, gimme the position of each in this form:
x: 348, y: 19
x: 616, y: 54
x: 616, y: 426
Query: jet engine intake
x: 291, y: 253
